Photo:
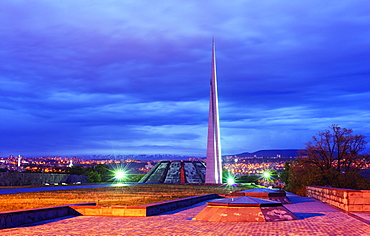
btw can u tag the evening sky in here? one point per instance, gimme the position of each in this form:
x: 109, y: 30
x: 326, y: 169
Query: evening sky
x: 132, y: 77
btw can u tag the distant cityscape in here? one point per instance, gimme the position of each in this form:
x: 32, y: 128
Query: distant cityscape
x: 138, y: 164
x: 254, y: 165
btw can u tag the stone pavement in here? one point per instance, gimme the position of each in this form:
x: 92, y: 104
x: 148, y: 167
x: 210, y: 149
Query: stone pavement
x: 314, y: 218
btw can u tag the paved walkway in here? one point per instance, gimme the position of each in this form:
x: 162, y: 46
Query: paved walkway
x: 314, y: 218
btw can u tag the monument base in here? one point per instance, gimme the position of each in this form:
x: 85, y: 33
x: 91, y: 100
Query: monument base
x: 245, y: 209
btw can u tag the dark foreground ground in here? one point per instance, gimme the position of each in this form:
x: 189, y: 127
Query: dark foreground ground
x: 315, y: 218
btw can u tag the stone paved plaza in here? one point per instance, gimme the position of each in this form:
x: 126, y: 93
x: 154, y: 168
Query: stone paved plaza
x: 315, y: 218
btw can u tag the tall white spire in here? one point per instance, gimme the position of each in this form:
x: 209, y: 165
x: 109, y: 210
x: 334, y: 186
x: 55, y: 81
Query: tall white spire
x: 214, y: 166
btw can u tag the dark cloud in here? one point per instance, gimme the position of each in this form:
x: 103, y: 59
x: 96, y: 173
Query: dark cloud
x: 97, y: 77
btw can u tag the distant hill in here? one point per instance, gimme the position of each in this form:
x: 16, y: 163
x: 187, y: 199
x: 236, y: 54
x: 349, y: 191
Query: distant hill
x: 271, y: 153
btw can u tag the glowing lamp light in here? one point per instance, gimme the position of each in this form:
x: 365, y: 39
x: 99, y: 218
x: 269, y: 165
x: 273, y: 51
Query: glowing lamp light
x: 119, y: 175
x: 266, y: 175
x: 230, y: 181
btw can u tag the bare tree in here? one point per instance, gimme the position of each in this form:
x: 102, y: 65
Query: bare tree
x: 337, y: 149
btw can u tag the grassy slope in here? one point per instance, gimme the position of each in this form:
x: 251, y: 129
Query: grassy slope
x: 122, y: 195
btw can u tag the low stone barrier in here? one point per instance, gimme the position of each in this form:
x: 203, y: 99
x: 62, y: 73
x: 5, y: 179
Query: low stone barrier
x: 142, y: 210
x: 346, y: 199
x: 10, y: 219
x: 160, y: 207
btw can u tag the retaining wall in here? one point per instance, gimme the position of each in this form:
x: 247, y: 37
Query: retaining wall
x: 346, y: 199
x: 10, y: 219
x: 19, y: 179
x: 143, y: 210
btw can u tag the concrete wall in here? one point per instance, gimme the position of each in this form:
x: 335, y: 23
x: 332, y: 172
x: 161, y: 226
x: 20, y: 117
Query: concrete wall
x: 19, y: 179
x: 346, y: 199
x: 142, y: 210
x: 10, y: 219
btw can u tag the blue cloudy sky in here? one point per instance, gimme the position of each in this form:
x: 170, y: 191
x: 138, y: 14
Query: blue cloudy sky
x: 132, y: 77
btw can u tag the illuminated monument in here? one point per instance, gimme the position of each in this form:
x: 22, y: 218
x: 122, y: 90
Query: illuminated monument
x: 195, y: 171
x: 214, y: 166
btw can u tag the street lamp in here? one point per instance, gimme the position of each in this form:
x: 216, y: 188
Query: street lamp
x: 119, y: 175
x: 266, y: 175
x: 230, y: 181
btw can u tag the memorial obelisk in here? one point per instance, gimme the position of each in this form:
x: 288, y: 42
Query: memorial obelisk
x: 214, y: 166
